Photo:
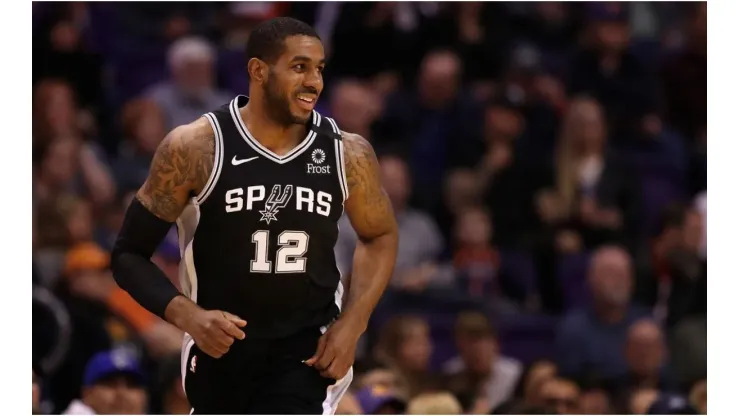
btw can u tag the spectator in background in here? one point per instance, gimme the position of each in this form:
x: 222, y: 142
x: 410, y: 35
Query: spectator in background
x: 54, y: 113
x: 405, y: 347
x: 376, y: 42
x: 436, y: 124
x: 480, y: 367
x: 607, y: 69
x: 591, y: 339
x: 192, y: 91
x: 476, y: 260
x: 594, y: 400
x: 170, y: 388
x: 561, y: 396
x: 675, y: 281
x: 671, y: 404
x: 144, y: 127
x: 477, y: 31
x: 461, y: 191
x: 420, y: 242
x: 375, y: 375
x: 439, y: 403
x: 62, y: 53
x: 698, y: 396
x: 69, y: 166
x: 355, y: 107
x: 684, y: 78
x: 113, y: 384
x: 640, y: 400
x: 688, y: 346
x: 502, y: 174
x: 595, y: 189
x: 646, y: 357
x: 587, y: 200
x: 503, y: 124
x: 530, y: 383
x: 91, y: 287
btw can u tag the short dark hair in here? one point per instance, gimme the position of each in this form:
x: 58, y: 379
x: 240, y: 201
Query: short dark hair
x: 266, y: 41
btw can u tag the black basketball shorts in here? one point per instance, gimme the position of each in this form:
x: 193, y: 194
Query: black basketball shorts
x: 260, y: 377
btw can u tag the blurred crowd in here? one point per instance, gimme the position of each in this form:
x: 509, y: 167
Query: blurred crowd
x: 546, y: 163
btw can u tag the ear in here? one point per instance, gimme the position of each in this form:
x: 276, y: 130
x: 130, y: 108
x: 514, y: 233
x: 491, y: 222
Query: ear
x: 257, y: 70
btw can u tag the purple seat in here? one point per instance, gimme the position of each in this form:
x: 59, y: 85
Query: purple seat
x: 571, y: 275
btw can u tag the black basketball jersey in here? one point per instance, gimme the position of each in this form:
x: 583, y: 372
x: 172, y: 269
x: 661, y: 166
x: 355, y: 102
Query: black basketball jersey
x: 258, y: 241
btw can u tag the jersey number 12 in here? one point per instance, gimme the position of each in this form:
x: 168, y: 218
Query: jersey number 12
x: 289, y: 257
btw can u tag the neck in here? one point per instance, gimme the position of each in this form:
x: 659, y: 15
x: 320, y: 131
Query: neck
x: 274, y: 136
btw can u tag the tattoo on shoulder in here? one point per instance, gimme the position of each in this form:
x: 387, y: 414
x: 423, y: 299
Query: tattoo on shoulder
x: 360, y: 160
x: 367, y: 198
x: 180, y: 168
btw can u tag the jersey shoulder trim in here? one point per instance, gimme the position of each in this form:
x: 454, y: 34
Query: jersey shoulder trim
x: 339, y: 152
x: 218, y: 160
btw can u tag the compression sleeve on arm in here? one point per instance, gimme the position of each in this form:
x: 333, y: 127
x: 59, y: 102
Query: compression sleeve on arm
x: 140, y: 235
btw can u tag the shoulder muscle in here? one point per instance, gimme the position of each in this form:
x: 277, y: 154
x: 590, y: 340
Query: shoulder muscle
x: 180, y: 168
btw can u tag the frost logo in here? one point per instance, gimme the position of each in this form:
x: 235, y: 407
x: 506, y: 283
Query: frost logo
x: 318, y: 156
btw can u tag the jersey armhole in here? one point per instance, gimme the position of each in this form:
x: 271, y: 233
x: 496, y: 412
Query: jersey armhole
x: 339, y: 151
x: 218, y: 159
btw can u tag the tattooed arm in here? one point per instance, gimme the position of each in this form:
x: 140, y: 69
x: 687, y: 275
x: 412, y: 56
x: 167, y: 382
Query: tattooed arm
x: 369, y: 210
x: 180, y: 168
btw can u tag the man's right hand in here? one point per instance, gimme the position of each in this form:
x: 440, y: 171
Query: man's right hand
x: 213, y: 331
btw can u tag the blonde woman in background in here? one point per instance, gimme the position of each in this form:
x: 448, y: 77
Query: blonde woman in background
x: 586, y: 199
x: 405, y: 348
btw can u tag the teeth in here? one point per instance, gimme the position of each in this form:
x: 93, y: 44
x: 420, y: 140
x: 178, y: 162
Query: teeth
x: 306, y: 99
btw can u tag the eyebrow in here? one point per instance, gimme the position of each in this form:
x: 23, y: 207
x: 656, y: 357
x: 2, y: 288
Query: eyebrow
x: 304, y: 58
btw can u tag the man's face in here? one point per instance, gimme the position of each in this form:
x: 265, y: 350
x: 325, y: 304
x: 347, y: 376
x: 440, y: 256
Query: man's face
x: 478, y: 352
x: 195, y: 77
x: 295, y: 80
x: 561, y: 396
x: 118, y: 395
x: 394, y: 176
x: 610, y: 278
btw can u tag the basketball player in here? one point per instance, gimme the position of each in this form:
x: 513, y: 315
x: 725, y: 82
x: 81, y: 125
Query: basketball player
x: 256, y: 188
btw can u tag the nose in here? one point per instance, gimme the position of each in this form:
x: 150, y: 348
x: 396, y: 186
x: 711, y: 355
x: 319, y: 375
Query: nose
x: 313, y: 79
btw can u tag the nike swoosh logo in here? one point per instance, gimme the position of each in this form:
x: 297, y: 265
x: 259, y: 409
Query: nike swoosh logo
x: 236, y: 161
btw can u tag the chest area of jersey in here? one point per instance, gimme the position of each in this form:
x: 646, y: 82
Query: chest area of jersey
x: 281, y: 194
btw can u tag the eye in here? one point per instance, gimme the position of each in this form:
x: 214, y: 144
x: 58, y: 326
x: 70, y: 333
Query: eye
x: 321, y: 70
x: 299, y: 67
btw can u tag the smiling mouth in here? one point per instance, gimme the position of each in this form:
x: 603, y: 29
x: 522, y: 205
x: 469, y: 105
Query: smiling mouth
x: 306, y: 101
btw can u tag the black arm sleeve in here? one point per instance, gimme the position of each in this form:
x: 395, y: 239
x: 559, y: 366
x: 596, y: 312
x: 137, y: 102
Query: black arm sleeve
x: 140, y: 235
